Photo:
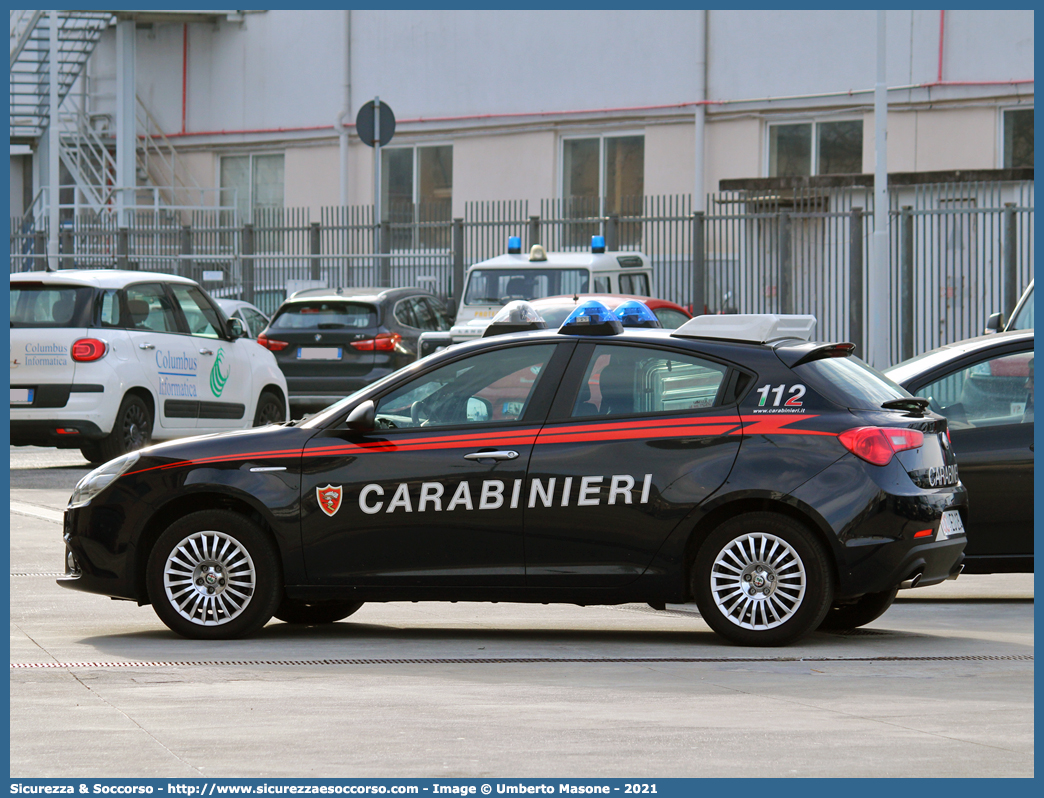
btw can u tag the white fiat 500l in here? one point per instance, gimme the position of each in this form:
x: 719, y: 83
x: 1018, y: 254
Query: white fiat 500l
x: 106, y: 361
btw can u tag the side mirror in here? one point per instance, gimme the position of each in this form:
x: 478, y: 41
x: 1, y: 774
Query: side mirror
x: 235, y: 329
x: 363, y: 417
x: 995, y: 323
x: 479, y: 409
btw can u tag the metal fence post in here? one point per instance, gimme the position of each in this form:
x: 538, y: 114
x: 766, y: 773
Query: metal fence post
x: 314, y: 249
x: 1010, y: 263
x: 786, y: 266
x: 384, y: 272
x: 246, y: 248
x: 40, y: 251
x: 906, y: 282
x: 534, y: 230
x: 67, y: 248
x: 855, y: 279
x: 122, y: 248
x: 699, y: 265
x: 458, y: 263
x: 612, y: 232
x: 188, y: 267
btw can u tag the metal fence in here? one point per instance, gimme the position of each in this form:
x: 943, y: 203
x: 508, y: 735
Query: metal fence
x: 958, y: 251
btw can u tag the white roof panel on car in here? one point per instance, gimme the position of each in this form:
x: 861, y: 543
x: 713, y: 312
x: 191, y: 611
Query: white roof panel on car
x: 758, y: 328
x: 100, y: 278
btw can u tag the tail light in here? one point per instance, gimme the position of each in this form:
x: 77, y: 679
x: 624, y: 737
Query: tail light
x: 877, y: 444
x: 382, y: 342
x: 271, y: 343
x: 88, y: 349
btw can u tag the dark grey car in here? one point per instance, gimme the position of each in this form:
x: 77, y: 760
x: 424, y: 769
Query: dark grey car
x: 330, y: 342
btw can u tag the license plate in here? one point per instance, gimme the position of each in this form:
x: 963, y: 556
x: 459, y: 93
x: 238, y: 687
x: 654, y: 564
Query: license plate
x: 950, y: 525
x: 318, y: 353
x: 21, y: 396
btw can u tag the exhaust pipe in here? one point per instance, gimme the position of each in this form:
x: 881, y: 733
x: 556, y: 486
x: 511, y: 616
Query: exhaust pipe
x: 956, y: 572
x: 906, y: 584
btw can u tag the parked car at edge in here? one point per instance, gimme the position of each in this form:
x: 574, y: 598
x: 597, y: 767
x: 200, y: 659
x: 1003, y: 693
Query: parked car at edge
x: 780, y: 483
x: 106, y: 361
x: 254, y: 321
x: 984, y: 387
x: 330, y: 342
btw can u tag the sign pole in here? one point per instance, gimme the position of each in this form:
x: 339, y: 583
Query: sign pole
x: 377, y: 170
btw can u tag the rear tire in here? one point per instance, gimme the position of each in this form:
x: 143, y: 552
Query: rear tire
x: 845, y: 617
x: 762, y: 579
x: 302, y: 612
x: 91, y: 452
x: 214, y: 575
x: 269, y: 410
x: 132, y: 430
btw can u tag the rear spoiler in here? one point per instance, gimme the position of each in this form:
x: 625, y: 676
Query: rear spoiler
x: 794, y: 354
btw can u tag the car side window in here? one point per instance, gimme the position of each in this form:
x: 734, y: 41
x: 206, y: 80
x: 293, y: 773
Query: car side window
x: 670, y: 319
x: 629, y: 380
x: 488, y: 387
x: 201, y: 318
x: 404, y: 313
x: 637, y: 284
x: 991, y: 393
x: 254, y: 320
x: 108, y: 308
x: 442, y: 319
x: 150, y: 308
x: 601, y: 285
x: 426, y: 320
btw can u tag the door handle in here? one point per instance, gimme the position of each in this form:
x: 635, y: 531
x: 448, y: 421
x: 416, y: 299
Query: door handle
x: 501, y: 455
x: 146, y: 345
x: 205, y: 352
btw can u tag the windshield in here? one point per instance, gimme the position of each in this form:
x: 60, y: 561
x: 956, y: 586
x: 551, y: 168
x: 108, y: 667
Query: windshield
x: 500, y: 286
x: 1023, y: 318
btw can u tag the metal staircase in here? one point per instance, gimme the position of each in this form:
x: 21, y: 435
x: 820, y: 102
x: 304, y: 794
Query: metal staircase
x: 78, y: 33
x: 87, y: 145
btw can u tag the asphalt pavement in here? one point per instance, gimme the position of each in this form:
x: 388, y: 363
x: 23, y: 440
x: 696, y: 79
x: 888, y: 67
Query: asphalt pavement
x: 941, y: 685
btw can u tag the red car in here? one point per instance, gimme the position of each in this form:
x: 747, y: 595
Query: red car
x: 554, y: 309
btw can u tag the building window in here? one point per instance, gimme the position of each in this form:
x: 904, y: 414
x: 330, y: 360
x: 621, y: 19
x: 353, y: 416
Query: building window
x: 252, y: 183
x: 601, y: 176
x: 837, y: 150
x: 416, y: 189
x: 1018, y: 139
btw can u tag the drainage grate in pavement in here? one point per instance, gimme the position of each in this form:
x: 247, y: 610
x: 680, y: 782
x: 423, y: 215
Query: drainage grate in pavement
x: 509, y: 661
x: 52, y: 576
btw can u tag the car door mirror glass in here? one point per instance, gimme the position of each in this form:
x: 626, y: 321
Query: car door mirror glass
x: 479, y: 410
x: 235, y: 329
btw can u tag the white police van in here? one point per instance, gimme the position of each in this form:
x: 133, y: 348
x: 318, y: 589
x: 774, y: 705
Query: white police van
x: 105, y: 361
x: 491, y: 284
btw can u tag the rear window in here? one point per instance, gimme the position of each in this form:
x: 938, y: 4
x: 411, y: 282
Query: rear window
x: 850, y: 382
x: 50, y: 305
x: 322, y: 315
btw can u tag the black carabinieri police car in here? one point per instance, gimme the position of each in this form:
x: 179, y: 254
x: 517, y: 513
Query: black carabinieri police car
x: 780, y: 483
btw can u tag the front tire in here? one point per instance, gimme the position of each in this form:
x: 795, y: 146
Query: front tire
x: 214, y: 575
x: 302, y: 612
x: 762, y: 579
x: 845, y: 617
x: 132, y: 430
